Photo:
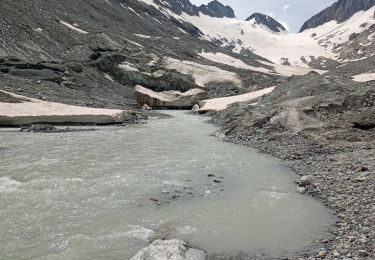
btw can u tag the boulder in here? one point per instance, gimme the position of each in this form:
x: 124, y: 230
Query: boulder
x: 169, y: 250
x: 44, y: 74
x: 169, y: 99
x: 146, y: 107
x: 305, y: 180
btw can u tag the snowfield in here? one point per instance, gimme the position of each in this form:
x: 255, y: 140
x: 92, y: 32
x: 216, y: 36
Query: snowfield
x: 202, y: 74
x: 217, y: 104
x: 285, y: 70
x: 275, y: 47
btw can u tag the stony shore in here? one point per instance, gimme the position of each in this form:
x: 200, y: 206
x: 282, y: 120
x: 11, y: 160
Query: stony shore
x: 339, y: 173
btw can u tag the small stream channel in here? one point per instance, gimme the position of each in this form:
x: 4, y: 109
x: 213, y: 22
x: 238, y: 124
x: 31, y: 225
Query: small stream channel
x: 105, y: 194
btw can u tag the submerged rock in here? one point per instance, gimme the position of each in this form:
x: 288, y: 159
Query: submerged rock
x: 169, y: 250
x: 42, y: 128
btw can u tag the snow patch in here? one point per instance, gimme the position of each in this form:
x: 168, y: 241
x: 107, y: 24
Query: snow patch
x: 142, y: 36
x: 35, y: 110
x: 230, y: 61
x: 73, y: 27
x: 126, y: 66
x: 364, y: 77
x: 202, y: 74
x: 222, y: 103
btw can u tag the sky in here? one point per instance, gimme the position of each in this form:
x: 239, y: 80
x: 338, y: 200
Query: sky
x: 291, y: 13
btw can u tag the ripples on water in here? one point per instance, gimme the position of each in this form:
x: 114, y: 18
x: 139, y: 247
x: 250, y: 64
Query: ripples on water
x: 86, y: 195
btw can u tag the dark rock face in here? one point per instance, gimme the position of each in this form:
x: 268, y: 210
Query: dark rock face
x: 214, y: 8
x: 180, y: 6
x: 339, y: 11
x: 268, y: 21
x: 217, y: 9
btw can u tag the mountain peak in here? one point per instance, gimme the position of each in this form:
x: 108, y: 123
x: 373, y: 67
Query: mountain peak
x: 340, y: 11
x: 217, y: 9
x: 267, y: 21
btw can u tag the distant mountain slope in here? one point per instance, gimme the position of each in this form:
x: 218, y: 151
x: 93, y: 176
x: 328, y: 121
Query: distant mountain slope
x: 339, y: 11
x: 213, y: 8
x: 267, y: 21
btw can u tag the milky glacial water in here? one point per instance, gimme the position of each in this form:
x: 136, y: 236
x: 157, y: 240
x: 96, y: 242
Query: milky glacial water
x: 92, y: 195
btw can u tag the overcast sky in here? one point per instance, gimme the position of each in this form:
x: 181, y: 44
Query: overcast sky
x: 291, y: 13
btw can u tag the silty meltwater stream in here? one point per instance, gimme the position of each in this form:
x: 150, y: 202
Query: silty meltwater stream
x: 104, y: 194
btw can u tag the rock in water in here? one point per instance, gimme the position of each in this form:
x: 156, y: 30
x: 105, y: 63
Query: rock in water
x: 305, y: 180
x: 169, y: 250
x: 39, y: 128
x: 146, y: 107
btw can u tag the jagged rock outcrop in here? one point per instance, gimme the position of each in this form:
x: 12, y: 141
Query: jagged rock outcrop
x: 169, y: 249
x: 180, y: 6
x: 267, y: 21
x: 169, y: 99
x: 339, y: 11
x: 213, y: 8
x: 217, y: 9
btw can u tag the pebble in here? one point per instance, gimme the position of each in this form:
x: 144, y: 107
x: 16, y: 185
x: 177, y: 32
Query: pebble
x: 301, y: 190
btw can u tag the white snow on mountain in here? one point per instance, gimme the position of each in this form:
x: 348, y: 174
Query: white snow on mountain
x: 230, y: 61
x: 332, y: 34
x: 289, y: 53
x: 275, y: 47
x: 285, y: 70
x: 202, y: 74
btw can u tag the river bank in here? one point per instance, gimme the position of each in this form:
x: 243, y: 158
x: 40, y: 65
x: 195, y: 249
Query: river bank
x: 340, y: 171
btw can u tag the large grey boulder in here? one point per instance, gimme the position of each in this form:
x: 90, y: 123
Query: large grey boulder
x: 169, y: 250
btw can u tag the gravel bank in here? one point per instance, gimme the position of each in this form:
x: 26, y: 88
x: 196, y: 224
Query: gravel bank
x: 325, y: 128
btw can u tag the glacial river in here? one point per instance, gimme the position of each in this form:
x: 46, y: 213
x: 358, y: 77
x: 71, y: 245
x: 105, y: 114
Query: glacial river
x: 106, y: 194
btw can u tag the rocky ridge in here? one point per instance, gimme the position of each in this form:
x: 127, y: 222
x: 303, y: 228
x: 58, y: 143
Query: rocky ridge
x: 339, y: 11
x: 267, y: 21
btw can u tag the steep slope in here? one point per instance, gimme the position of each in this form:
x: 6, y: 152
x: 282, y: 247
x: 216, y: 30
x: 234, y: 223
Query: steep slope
x: 339, y: 12
x: 267, y: 21
x: 351, y: 39
x: 65, y: 55
x: 217, y: 9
